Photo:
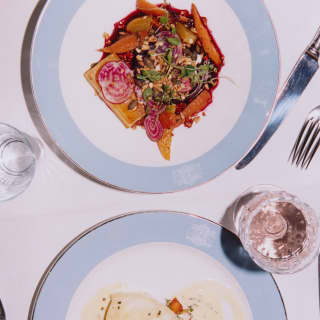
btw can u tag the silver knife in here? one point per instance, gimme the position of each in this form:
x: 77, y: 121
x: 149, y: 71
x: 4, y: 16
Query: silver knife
x: 2, y: 313
x: 298, y: 80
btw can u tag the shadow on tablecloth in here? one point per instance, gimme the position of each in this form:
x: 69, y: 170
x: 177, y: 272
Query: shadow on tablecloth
x: 232, y: 246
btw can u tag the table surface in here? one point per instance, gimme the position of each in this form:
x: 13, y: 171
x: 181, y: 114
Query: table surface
x: 60, y: 203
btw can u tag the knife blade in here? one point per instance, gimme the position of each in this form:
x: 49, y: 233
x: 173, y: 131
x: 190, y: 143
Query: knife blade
x: 297, y: 81
x: 2, y: 313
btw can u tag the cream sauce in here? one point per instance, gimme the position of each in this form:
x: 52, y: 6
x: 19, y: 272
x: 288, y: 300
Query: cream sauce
x: 205, y: 300
x: 209, y: 300
x: 96, y: 307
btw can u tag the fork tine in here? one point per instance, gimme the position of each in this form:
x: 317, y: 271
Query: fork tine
x: 308, y: 140
x: 293, y: 153
x: 313, y: 152
x: 309, y: 144
x: 304, y: 143
x: 304, y: 138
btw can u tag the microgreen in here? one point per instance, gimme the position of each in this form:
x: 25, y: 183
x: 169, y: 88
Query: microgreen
x: 204, y: 68
x: 165, y: 88
x: 187, y: 71
x: 150, y: 75
x: 169, y: 56
x: 167, y: 94
x: 147, y: 94
x: 173, y: 41
x: 164, y: 19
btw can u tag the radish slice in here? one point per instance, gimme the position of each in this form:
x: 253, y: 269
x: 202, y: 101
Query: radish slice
x: 116, y: 81
x: 153, y: 127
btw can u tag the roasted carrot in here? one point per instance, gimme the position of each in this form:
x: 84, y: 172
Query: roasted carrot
x: 167, y: 119
x: 139, y: 24
x: 203, y: 34
x: 142, y: 35
x: 176, y: 306
x: 164, y: 144
x: 193, y: 108
x: 198, y: 104
x: 150, y: 8
x: 123, y: 45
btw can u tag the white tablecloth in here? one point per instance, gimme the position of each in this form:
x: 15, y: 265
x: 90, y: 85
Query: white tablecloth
x: 60, y: 203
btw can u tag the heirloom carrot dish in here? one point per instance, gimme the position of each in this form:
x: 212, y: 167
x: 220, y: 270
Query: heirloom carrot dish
x: 158, y: 70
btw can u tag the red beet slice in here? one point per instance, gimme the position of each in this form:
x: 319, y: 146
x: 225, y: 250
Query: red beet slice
x: 116, y: 81
x: 153, y: 127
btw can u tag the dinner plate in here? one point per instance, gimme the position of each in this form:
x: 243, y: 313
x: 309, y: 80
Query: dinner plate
x: 64, y: 45
x: 158, y: 252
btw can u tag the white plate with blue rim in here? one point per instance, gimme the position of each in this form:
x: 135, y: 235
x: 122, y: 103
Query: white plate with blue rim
x: 157, y: 252
x: 64, y: 45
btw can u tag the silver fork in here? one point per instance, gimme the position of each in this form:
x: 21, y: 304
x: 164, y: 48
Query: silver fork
x: 308, y: 140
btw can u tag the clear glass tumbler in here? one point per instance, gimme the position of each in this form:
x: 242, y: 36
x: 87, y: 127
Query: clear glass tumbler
x: 280, y: 232
x: 17, y: 162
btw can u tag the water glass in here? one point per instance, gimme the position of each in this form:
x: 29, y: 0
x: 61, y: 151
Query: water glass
x: 17, y: 162
x: 279, y: 231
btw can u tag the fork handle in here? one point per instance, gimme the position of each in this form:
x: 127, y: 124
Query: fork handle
x: 314, y: 48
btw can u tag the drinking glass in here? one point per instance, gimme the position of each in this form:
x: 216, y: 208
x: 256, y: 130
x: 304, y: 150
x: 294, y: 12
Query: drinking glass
x: 279, y: 231
x: 17, y: 162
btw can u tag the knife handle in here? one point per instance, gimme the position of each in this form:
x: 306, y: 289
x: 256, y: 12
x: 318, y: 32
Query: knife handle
x: 314, y: 48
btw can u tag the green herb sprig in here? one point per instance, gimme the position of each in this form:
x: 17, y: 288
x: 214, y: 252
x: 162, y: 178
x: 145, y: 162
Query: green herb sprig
x: 167, y: 94
x: 173, y: 41
x: 169, y: 56
x: 147, y: 94
x: 164, y: 19
x: 187, y: 71
x: 150, y: 75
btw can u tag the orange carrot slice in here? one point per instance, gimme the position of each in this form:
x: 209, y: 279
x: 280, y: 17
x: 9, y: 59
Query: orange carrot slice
x: 176, y: 306
x: 123, y: 45
x: 139, y: 24
x: 198, y: 104
x: 150, y: 8
x: 167, y: 119
x: 164, y: 144
x: 193, y: 108
x: 142, y: 35
x: 203, y: 34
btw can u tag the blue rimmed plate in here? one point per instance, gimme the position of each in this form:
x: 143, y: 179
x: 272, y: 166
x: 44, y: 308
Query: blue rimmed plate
x: 64, y: 45
x: 158, y: 252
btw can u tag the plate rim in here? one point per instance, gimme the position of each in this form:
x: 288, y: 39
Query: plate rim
x: 61, y: 253
x: 54, y: 145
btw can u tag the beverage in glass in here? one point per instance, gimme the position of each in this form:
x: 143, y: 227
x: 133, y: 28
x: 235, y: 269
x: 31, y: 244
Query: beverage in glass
x: 279, y: 231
